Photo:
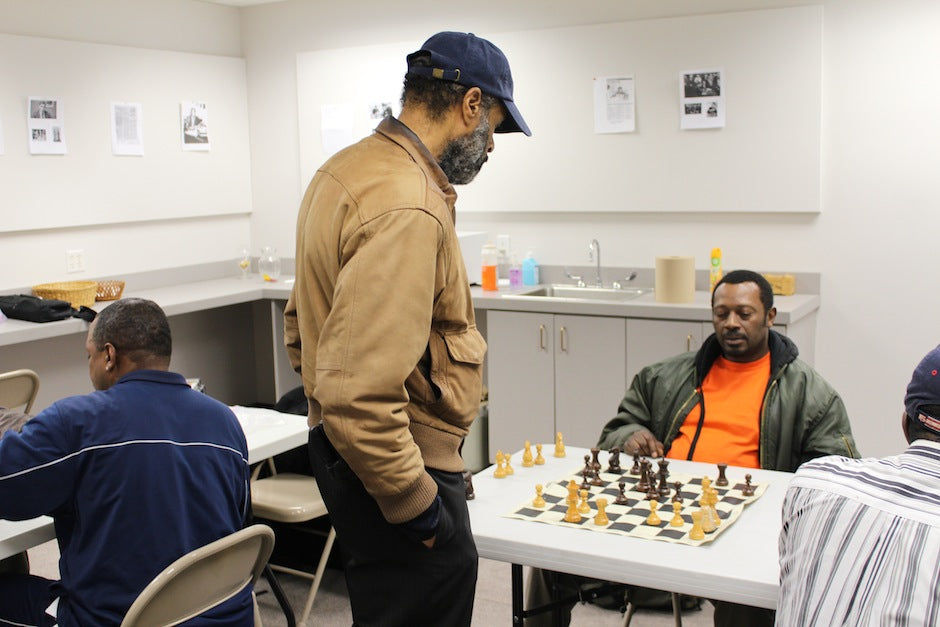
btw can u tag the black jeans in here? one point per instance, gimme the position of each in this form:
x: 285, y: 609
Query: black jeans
x: 392, y: 579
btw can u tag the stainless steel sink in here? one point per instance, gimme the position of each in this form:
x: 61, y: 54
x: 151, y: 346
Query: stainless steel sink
x: 582, y: 293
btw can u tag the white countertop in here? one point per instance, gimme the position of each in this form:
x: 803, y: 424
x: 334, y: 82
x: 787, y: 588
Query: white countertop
x: 789, y: 308
x: 740, y: 565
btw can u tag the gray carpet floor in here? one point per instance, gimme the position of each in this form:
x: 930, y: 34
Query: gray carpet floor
x: 331, y: 607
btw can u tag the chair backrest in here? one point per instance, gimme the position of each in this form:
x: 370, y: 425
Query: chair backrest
x: 18, y: 389
x: 202, y: 579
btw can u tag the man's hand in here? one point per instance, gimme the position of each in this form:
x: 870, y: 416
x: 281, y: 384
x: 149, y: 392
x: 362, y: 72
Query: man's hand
x: 643, y: 442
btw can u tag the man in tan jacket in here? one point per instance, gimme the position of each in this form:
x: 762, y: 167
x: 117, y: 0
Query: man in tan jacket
x: 380, y: 326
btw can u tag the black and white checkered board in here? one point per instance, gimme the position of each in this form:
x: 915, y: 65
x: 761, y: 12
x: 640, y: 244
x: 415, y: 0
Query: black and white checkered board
x: 630, y: 519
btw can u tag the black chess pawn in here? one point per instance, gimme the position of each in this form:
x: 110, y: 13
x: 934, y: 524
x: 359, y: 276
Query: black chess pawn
x: 613, y: 462
x: 677, y: 497
x: 748, y: 489
x: 722, y: 479
x: 588, y: 468
x: 635, y: 470
x: 622, y: 497
x: 652, y: 491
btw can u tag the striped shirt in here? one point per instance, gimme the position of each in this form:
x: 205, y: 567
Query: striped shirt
x: 860, y: 543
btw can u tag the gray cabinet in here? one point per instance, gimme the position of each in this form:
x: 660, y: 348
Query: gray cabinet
x: 552, y: 372
x: 649, y: 341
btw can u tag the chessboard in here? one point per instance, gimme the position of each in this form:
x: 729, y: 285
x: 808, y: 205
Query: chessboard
x: 630, y: 519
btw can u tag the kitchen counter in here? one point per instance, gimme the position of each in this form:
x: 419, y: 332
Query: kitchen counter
x: 790, y: 309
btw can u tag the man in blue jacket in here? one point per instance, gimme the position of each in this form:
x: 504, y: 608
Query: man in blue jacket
x: 135, y: 475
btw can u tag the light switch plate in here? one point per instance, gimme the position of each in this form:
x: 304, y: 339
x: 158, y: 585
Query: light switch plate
x: 75, y: 260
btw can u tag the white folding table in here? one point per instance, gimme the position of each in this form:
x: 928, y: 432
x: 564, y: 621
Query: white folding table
x: 268, y: 433
x: 740, y: 565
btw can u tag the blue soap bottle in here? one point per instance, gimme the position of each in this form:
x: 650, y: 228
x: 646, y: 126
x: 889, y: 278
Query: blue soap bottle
x: 530, y: 270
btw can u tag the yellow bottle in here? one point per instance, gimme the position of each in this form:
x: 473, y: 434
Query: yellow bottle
x: 714, y: 270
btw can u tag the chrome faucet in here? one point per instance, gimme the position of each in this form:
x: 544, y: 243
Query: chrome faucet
x: 594, y: 254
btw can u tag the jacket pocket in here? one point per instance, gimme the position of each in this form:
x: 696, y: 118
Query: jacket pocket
x: 456, y: 372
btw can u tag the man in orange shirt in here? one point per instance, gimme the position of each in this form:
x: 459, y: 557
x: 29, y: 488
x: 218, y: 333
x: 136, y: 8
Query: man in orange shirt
x: 744, y: 398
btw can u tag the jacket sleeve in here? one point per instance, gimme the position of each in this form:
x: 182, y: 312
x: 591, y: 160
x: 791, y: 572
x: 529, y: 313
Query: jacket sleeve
x: 38, y: 468
x: 292, y: 333
x: 828, y: 430
x: 632, y: 415
x: 372, y: 340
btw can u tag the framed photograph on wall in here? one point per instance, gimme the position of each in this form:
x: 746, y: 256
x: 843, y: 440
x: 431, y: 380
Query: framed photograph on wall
x: 194, y: 125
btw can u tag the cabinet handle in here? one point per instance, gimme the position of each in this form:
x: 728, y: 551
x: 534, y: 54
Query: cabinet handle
x: 563, y: 336
x: 541, y: 337
x: 688, y: 342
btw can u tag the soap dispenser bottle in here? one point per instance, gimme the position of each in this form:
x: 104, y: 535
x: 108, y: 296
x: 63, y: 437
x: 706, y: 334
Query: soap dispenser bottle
x: 530, y: 270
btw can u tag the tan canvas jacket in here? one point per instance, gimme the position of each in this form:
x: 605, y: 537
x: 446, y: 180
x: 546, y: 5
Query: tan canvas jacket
x: 380, y: 322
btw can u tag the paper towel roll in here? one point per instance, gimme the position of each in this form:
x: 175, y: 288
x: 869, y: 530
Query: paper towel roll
x: 675, y: 279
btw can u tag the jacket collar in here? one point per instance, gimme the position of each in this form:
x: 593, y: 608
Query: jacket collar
x: 782, y: 352
x: 397, y: 132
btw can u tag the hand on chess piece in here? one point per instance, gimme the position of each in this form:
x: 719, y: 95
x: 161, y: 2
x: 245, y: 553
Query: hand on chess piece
x: 643, y: 442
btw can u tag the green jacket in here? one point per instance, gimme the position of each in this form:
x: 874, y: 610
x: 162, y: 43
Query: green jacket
x: 802, y: 417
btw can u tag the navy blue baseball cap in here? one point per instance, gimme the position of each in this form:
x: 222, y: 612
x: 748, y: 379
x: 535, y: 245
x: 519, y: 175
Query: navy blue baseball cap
x: 469, y: 60
x: 924, y: 389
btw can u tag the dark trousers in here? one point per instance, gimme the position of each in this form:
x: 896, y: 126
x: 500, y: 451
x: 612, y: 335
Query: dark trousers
x: 24, y: 599
x: 392, y: 579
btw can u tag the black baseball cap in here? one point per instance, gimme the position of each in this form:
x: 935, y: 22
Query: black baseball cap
x: 469, y: 60
x: 924, y: 389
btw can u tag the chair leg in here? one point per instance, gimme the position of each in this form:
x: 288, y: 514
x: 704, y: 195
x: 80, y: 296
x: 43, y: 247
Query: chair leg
x: 677, y: 609
x: 280, y: 596
x: 628, y: 615
x: 324, y: 557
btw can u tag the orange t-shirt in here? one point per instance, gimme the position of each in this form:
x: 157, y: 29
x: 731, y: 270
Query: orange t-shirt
x: 732, y: 394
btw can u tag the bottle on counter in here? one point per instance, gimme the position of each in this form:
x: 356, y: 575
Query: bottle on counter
x: 515, y: 272
x: 714, y: 269
x: 530, y: 270
x: 490, y: 258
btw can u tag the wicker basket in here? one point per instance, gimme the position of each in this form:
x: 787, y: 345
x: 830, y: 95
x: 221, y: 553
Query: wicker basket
x: 109, y: 290
x: 76, y: 292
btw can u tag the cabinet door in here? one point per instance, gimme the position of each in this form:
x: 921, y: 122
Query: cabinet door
x: 590, y: 375
x: 649, y: 341
x: 520, y: 377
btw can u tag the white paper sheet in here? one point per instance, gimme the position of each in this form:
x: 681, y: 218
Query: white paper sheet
x: 336, y: 127
x: 46, y: 125
x: 614, y: 104
x: 194, y: 125
x: 127, y: 129
x: 701, y: 99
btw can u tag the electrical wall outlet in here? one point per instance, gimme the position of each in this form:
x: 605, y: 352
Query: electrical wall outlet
x: 75, y: 260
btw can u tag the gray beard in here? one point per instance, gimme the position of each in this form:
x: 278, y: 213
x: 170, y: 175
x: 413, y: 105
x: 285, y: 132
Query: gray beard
x: 463, y: 157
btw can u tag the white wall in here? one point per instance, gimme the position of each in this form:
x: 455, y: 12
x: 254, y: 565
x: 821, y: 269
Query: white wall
x: 872, y: 242
x: 179, y: 25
